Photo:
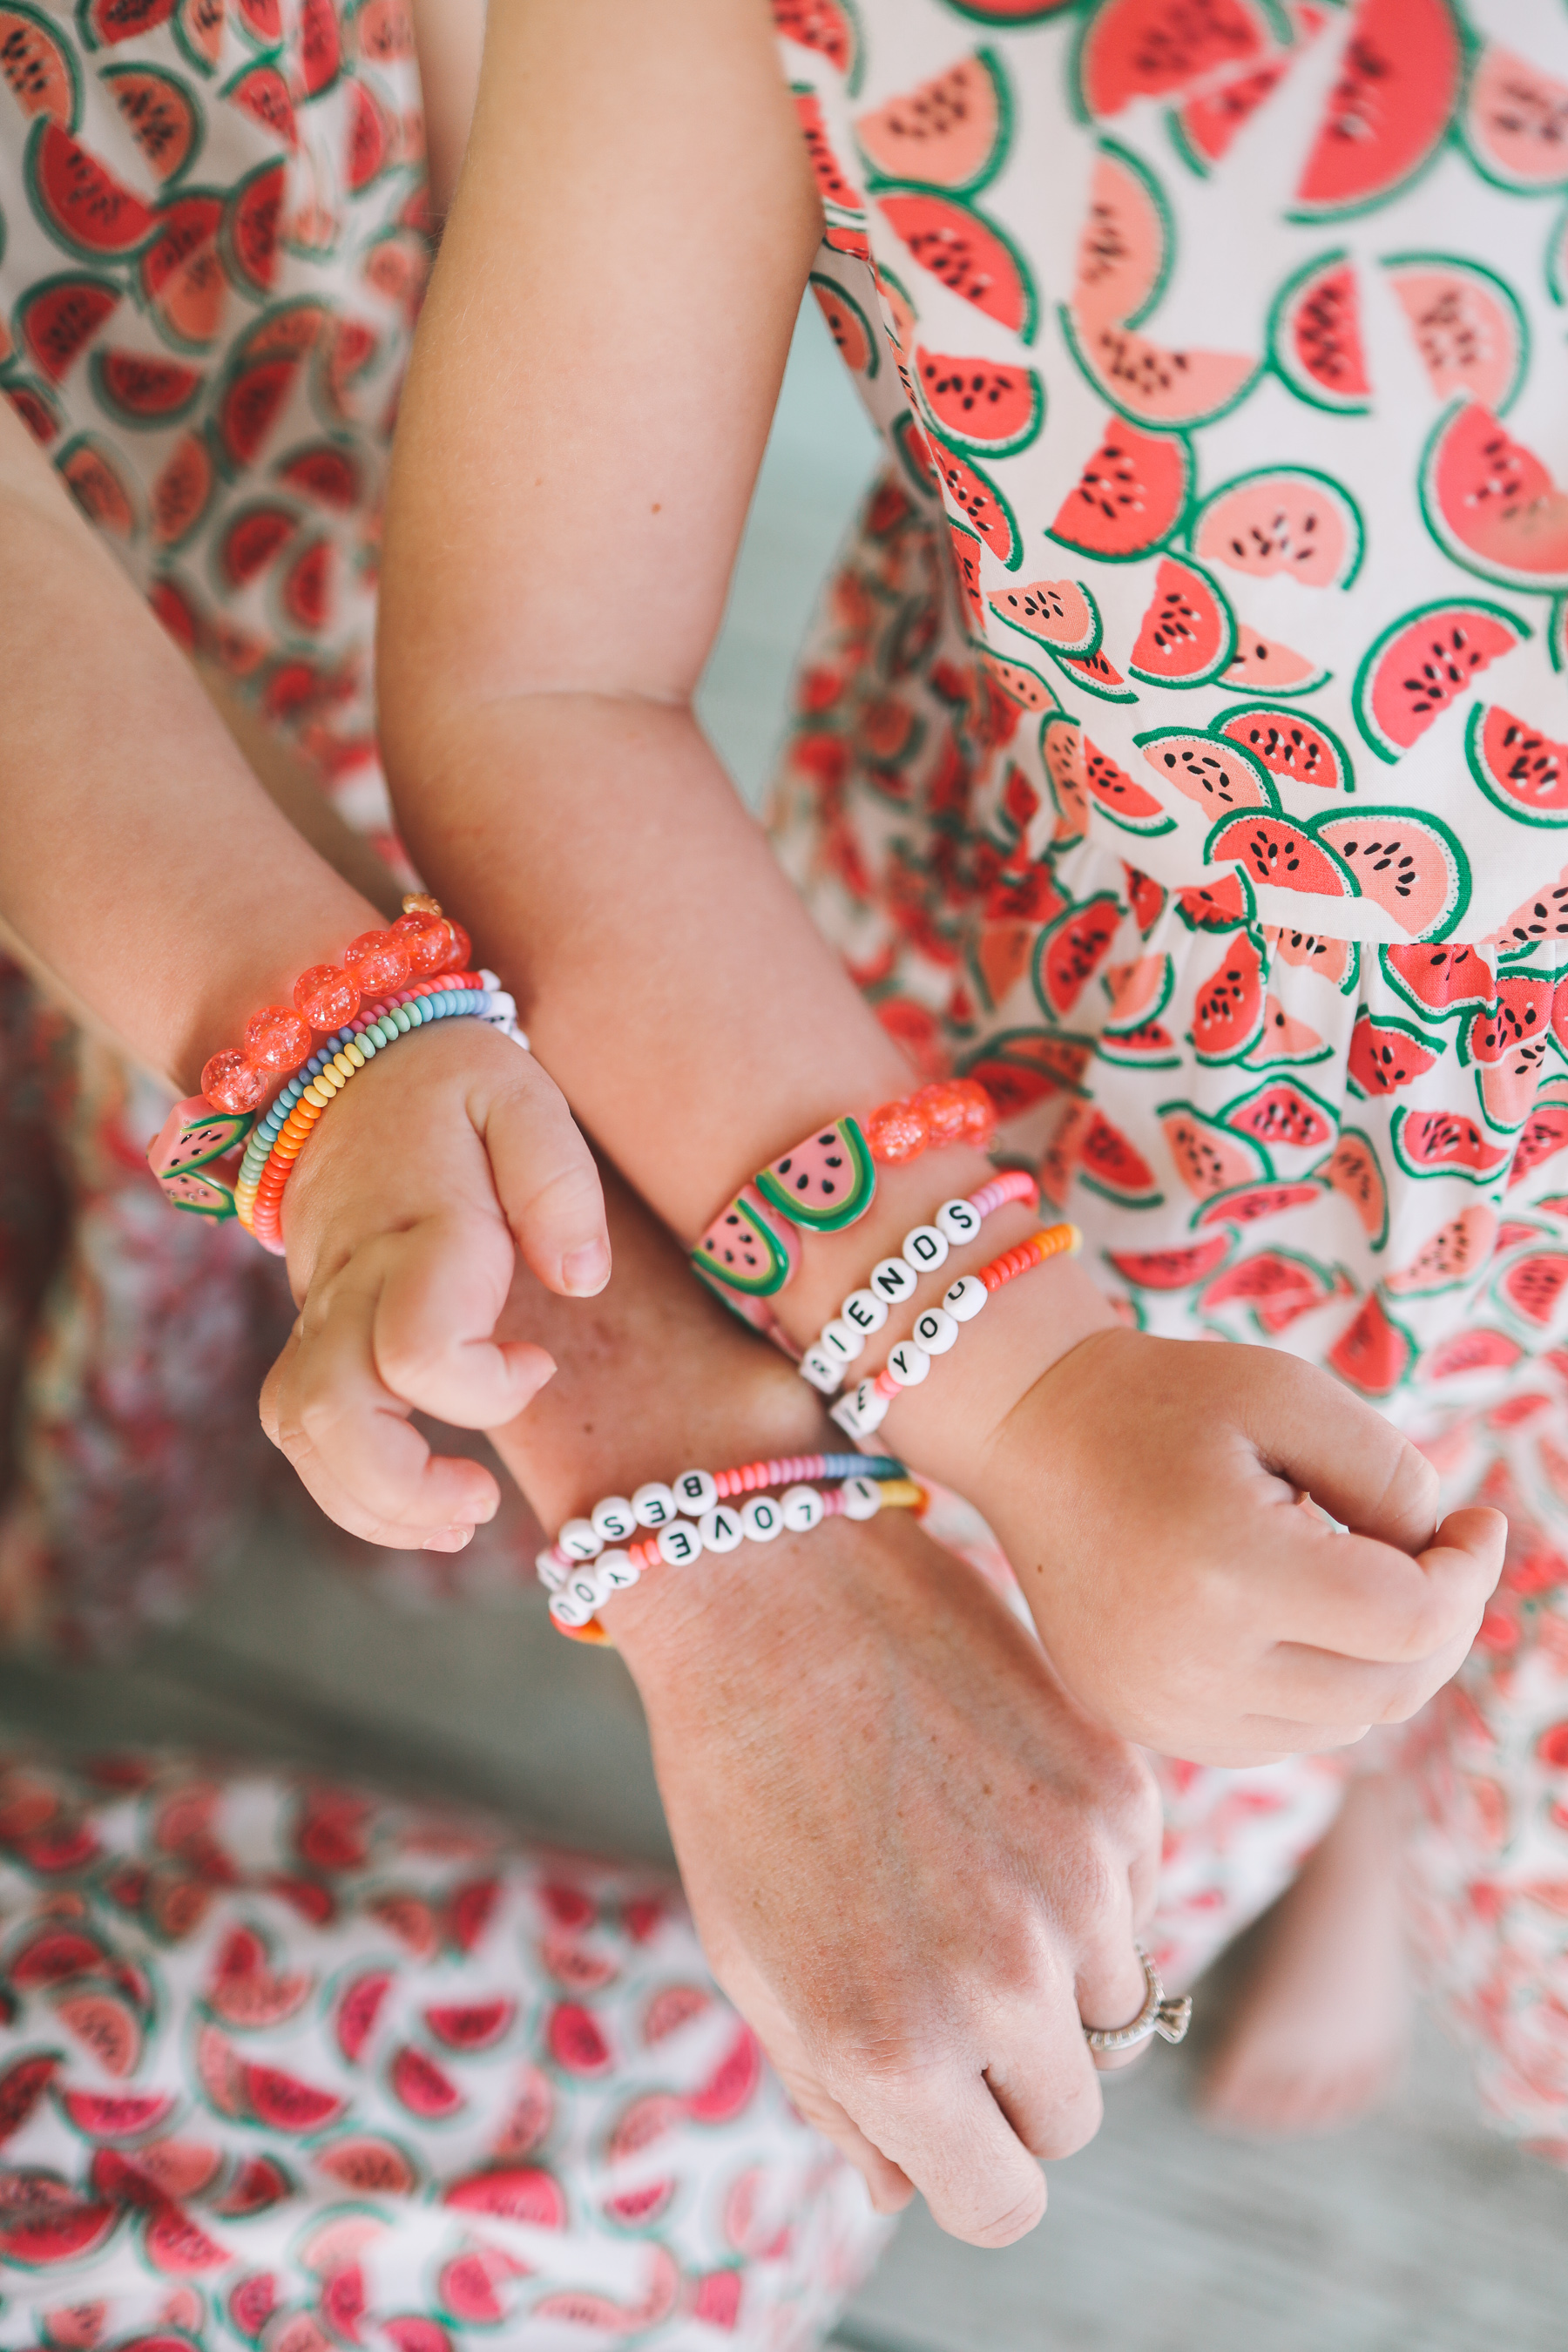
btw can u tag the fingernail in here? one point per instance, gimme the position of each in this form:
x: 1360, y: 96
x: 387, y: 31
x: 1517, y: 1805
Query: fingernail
x: 448, y: 1539
x: 585, y: 1271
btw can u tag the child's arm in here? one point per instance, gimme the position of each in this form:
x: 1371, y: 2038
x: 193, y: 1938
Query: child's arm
x: 149, y: 880
x: 591, y: 390
x: 912, y: 1858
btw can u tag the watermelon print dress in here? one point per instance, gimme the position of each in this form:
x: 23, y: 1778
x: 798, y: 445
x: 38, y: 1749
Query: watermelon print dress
x: 1182, y: 748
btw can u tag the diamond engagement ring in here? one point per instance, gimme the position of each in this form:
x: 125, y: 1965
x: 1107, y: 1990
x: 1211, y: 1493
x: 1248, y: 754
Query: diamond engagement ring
x: 1168, y: 2019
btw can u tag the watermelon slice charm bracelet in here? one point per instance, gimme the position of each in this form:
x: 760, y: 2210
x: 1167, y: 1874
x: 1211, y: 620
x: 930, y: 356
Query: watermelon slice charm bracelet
x: 827, y: 1182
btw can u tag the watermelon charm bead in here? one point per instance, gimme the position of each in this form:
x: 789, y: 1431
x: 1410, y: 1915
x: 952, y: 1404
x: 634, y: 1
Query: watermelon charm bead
x: 748, y: 1248
x: 824, y: 1182
x: 193, y: 1157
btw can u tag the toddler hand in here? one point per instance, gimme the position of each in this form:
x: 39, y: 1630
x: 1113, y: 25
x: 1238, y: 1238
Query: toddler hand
x: 1147, y: 1492
x: 403, y: 1219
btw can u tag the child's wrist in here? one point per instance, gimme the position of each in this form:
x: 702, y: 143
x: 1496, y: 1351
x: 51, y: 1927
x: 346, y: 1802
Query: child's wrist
x: 944, y: 1425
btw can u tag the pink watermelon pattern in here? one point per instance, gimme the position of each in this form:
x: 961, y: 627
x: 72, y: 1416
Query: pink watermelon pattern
x: 282, y: 2057
x: 1309, y: 759
x: 214, y: 275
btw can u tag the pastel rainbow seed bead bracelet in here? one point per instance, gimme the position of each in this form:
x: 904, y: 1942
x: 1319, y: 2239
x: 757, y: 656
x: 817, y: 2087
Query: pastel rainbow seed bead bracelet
x: 892, y: 1280
x: 389, y: 984
x: 591, y: 1557
x: 864, y: 1411
x: 826, y: 1182
x: 279, y: 1137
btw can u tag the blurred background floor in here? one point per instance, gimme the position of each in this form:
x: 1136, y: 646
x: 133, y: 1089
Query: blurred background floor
x: 1417, y: 2233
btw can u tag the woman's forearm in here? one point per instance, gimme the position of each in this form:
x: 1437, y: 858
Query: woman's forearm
x: 145, y: 875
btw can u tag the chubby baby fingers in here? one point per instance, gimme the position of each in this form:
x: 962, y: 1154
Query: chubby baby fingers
x: 1366, y: 1599
x: 442, y: 1286
x: 352, y: 1441
x: 549, y: 1185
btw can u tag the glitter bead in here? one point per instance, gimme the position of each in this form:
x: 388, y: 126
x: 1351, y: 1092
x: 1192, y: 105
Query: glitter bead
x: 956, y: 1110
x: 376, y: 960
x: 427, y: 940
x: 230, y: 1082
x: 277, y: 1038
x: 462, y: 947
x: 896, y: 1132
x: 327, y: 995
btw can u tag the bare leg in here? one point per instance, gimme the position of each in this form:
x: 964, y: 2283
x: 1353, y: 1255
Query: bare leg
x: 1321, y: 2028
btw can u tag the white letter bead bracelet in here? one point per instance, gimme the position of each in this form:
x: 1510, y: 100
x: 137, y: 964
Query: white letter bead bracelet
x: 603, y: 1553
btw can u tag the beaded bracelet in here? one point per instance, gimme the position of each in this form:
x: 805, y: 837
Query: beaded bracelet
x: 842, y: 1339
x: 937, y: 1329
x: 278, y: 1037
x: 278, y: 1139
x: 828, y: 1181
x: 578, y: 1585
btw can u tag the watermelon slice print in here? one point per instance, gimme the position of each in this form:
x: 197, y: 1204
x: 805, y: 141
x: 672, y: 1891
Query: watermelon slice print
x: 1131, y: 497
x: 1490, y: 503
x: 1315, y: 336
x: 1388, y: 110
x: 952, y: 132
x: 967, y: 253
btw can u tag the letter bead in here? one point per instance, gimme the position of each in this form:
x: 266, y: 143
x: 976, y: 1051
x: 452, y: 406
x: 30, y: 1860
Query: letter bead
x: 909, y: 1365
x: 679, y: 1543
x: 865, y: 1310
x: 840, y: 1338
x: 762, y: 1518
x: 617, y: 1571
x: 923, y: 1249
x: 581, y: 1539
x: 965, y: 1299
x: 822, y: 1370
x: 803, y: 1507
x: 936, y: 1330
x: 567, y: 1611
x: 613, y: 1518
x: 958, y: 1221
x: 653, y: 1505
x: 720, y: 1528
x: 893, y: 1280
x: 585, y: 1592
x: 846, y: 1414
x: 862, y: 1499
x: 549, y: 1570
x: 871, y: 1407
x: 696, y: 1492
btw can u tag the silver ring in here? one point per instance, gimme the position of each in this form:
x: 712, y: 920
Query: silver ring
x: 1168, y: 2019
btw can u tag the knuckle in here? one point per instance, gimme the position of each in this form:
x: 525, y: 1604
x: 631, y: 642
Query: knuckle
x: 1072, y: 2123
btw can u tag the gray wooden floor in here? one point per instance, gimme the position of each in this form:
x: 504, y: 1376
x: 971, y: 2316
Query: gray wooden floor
x: 1415, y: 2234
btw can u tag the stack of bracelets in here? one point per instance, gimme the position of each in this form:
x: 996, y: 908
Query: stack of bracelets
x: 751, y: 1249
x: 591, y: 1558
x: 389, y: 984
x: 229, y: 1152
x: 749, y: 1253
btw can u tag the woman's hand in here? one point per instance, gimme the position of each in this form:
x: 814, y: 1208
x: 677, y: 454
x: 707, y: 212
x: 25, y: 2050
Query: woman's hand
x: 917, y: 1868
x: 403, y: 1219
x: 912, y: 1859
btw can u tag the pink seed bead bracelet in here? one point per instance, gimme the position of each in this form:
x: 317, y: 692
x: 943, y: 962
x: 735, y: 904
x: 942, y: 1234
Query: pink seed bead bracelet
x: 842, y: 1341
x: 864, y: 1410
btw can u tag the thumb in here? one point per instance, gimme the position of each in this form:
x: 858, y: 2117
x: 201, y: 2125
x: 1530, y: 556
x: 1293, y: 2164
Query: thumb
x: 549, y: 1186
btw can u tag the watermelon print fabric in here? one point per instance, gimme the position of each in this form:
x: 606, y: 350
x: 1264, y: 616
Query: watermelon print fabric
x: 1183, y: 749
x: 288, y: 2064
x: 213, y: 243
